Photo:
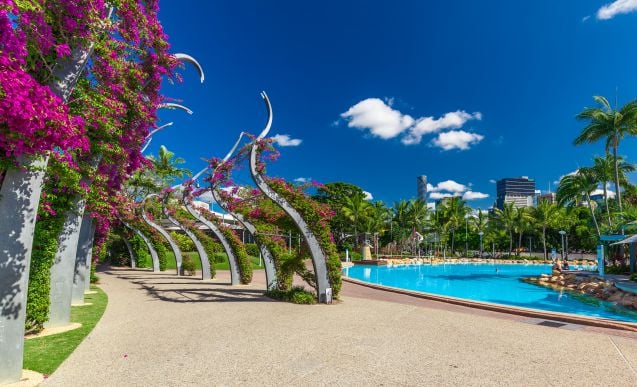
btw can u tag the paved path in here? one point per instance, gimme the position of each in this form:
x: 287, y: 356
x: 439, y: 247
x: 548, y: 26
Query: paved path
x: 159, y: 329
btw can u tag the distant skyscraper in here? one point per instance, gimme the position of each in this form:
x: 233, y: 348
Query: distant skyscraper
x: 518, y: 190
x: 421, y: 182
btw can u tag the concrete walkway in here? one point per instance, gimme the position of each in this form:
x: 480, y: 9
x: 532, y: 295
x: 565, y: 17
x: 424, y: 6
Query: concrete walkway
x: 160, y: 329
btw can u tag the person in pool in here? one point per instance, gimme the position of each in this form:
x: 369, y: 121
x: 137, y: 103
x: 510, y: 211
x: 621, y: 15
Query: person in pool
x: 565, y: 264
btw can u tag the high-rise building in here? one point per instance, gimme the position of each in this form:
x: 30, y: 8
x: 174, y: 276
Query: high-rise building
x: 421, y: 182
x: 517, y: 190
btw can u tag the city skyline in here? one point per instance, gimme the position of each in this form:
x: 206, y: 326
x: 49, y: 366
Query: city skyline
x: 491, y: 92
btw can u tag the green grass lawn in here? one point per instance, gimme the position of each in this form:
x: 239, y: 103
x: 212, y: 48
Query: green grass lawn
x: 170, y: 264
x: 45, y: 354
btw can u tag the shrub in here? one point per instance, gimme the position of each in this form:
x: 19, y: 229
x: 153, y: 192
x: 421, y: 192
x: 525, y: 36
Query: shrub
x: 252, y: 249
x: 616, y: 269
x: 296, y: 295
x: 220, y: 258
x: 188, y: 265
x: 183, y: 241
x: 355, y: 256
x: 633, y: 277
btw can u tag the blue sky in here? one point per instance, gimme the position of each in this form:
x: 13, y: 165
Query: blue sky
x: 380, y: 92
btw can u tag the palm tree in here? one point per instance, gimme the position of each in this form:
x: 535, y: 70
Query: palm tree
x: 545, y: 216
x: 355, y: 208
x: 454, y: 210
x: 416, y: 214
x: 400, y: 211
x: 603, y: 169
x: 167, y: 168
x: 573, y: 187
x: 610, y: 124
x: 506, y: 218
x: 522, y: 223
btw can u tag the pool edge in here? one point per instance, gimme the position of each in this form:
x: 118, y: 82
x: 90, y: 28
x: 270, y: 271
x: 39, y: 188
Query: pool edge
x: 526, y: 312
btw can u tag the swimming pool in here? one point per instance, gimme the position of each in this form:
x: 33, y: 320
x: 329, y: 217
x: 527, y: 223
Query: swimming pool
x: 498, y: 284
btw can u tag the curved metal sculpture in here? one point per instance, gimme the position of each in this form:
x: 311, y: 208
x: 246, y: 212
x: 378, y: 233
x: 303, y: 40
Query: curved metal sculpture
x: 189, y: 59
x: 173, y: 245
x: 153, y: 253
x: 131, y: 253
x: 323, y: 289
x: 203, y: 256
x: 232, y: 259
x: 149, y: 138
x: 171, y: 105
x: 268, y: 259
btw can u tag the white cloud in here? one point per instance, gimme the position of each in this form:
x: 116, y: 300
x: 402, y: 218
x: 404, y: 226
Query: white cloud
x: 302, y: 180
x: 368, y: 196
x: 441, y: 195
x: 448, y: 185
x: 471, y: 195
x: 615, y: 8
x: 381, y: 120
x: 492, y: 181
x: 585, y: 18
x: 286, y: 140
x: 456, y: 139
x: 428, y: 125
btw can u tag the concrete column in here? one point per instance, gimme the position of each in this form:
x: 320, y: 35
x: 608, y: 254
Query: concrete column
x: 19, y: 200
x: 82, y: 261
x: 633, y: 260
x: 63, y: 268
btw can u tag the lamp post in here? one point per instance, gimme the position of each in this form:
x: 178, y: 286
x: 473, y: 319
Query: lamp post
x: 466, y: 235
x: 481, y: 234
x: 562, y: 233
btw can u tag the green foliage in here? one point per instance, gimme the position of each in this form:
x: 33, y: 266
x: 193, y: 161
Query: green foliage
x: 316, y: 218
x: 355, y: 256
x: 144, y: 260
x: 238, y: 248
x: 633, y: 277
x: 616, y: 269
x: 188, y: 265
x: 45, y: 244
x: 162, y: 254
x: 183, y: 241
x: 296, y: 295
x: 220, y: 258
x: 252, y: 249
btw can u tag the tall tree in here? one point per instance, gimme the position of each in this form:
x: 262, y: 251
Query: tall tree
x: 545, y: 215
x: 603, y: 169
x: 356, y: 208
x: 609, y: 124
x: 573, y: 187
x: 506, y: 218
x: 167, y: 167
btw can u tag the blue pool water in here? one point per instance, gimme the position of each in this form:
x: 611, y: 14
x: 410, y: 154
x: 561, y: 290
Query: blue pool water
x: 481, y: 282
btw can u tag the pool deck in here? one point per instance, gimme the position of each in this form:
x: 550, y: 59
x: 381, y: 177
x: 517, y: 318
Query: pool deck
x: 159, y: 329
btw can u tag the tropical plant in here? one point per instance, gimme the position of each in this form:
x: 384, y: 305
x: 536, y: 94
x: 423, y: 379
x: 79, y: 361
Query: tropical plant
x: 573, y: 187
x: 506, y: 219
x: 609, y: 124
x: 544, y: 217
x: 166, y: 167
